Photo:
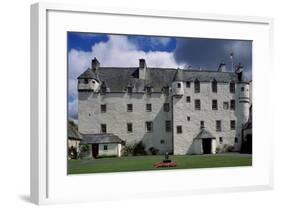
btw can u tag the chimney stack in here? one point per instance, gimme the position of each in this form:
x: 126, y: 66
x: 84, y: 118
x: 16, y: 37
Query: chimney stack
x: 222, y: 67
x: 95, y: 65
x: 142, y: 68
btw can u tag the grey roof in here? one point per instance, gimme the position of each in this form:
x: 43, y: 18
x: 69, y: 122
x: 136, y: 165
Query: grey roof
x: 100, y: 139
x: 117, y: 79
x: 72, y: 131
x: 204, y: 134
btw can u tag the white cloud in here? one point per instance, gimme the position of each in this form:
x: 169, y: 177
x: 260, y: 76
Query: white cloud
x: 118, y: 51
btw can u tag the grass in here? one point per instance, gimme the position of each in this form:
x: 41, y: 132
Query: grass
x: 141, y: 163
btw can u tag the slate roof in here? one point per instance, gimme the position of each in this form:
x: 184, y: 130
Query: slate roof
x: 204, y: 134
x: 72, y: 132
x: 100, y: 139
x: 117, y: 79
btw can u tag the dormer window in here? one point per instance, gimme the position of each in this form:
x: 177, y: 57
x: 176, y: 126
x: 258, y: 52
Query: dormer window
x: 86, y: 81
x: 148, y: 89
x: 166, y: 90
x: 214, y: 86
x: 130, y: 89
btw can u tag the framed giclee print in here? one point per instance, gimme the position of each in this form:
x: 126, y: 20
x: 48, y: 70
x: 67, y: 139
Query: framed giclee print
x: 155, y: 103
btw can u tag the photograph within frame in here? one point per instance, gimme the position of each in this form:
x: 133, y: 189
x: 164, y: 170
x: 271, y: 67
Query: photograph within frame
x: 140, y: 103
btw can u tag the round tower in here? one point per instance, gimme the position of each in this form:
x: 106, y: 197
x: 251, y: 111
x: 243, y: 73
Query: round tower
x: 177, y: 85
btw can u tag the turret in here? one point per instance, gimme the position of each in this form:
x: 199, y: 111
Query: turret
x: 95, y: 66
x: 177, y: 85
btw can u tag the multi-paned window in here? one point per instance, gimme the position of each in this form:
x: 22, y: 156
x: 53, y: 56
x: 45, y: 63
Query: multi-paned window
x: 196, y: 86
x: 168, y: 126
x: 225, y: 105
x: 166, y: 90
x: 188, y: 99
x: 148, y: 107
x: 166, y: 107
x: 129, y: 107
x: 129, y: 127
x: 187, y: 84
x: 130, y: 89
x: 197, y: 104
x: 103, y: 108
x: 179, y: 129
x: 218, y: 125
x: 232, y: 87
x: 214, y: 105
x: 105, y: 147
x: 103, y: 128
x: 148, y: 126
x: 232, y: 124
x: 214, y: 86
x: 202, y: 124
x: 148, y: 90
x: 162, y: 141
x: 232, y: 104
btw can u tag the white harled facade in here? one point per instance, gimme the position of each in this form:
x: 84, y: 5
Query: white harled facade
x: 172, y: 110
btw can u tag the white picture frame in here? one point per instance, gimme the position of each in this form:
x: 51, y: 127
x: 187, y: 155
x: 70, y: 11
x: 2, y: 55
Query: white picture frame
x: 49, y: 180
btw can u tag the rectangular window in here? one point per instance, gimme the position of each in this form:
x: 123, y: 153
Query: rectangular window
x: 103, y: 108
x: 221, y: 140
x: 232, y: 87
x: 232, y: 124
x: 105, y: 147
x: 201, y: 124
x: 162, y: 141
x: 168, y: 126
x: 242, y: 89
x: 179, y: 129
x: 129, y: 127
x: 197, y: 104
x: 103, y: 128
x: 166, y: 107
x: 218, y: 125
x: 236, y: 140
x: 148, y: 126
x: 214, y: 105
x: 196, y: 86
x: 187, y: 84
x: 129, y: 107
x: 225, y: 105
x: 166, y: 90
x: 188, y: 99
x: 148, y: 90
x: 130, y: 90
x: 188, y: 118
x: 179, y: 85
x: 214, y: 86
x: 148, y: 107
x: 232, y: 104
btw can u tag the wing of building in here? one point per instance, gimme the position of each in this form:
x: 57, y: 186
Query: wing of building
x: 165, y: 108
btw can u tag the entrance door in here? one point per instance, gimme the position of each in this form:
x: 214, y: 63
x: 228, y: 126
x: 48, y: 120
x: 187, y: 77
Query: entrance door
x: 207, y: 146
x: 95, y: 150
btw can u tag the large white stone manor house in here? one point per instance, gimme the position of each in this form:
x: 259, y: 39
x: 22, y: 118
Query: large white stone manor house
x: 173, y: 110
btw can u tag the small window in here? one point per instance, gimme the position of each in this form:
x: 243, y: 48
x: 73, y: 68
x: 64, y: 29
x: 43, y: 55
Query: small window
x: 103, y: 88
x: 242, y: 89
x: 93, y: 81
x: 148, y: 126
x: 148, y: 90
x: 162, y: 141
x: 196, y: 86
x: 179, y: 129
x: 214, y: 105
x: 129, y: 127
x: 129, y: 107
x: 103, y: 128
x: 86, y: 81
x: 105, y: 147
x: 232, y: 124
x: 103, y: 108
x: 232, y: 104
x: 179, y: 85
x: 168, y: 126
x: 214, y: 86
x: 188, y: 99
x: 201, y: 124
x: 166, y: 107
x: 221, y: 140
x: 232, y: 87
x: 187, y: 84
x: 218, y: 125
x: 148, y: 107
x: 130, y: 89
x: 166, y: 90
x: 225, y: 105
x: 236, y: 140
x: 188, y: 118
x: 197, y: 104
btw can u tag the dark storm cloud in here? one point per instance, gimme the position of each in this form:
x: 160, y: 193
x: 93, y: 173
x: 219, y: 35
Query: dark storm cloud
x: 208, y: 53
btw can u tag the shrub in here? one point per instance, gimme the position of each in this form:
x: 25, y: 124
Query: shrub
x: 84, y: 148
x: 153, y: 151
x: 139, y: 149
x: 127, y: 150
x: 230, y: 148
x: 72, y: 153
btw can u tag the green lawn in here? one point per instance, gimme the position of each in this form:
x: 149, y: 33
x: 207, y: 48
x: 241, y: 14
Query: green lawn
x: 140, y: 163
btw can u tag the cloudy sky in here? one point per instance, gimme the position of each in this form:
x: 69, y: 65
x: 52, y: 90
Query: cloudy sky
x: 126, y: 50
